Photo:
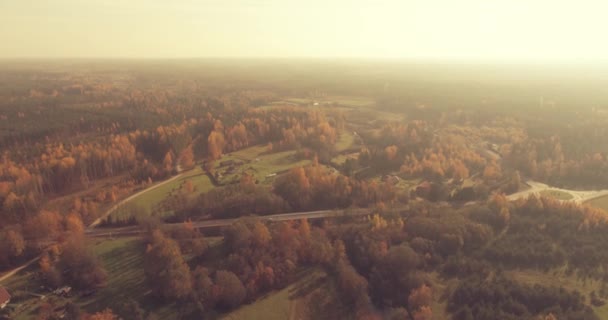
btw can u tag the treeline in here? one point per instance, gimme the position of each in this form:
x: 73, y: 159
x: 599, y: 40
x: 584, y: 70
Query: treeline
x: 383, y: 266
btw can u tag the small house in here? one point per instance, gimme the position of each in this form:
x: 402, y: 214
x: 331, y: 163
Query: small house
x: 423, y: 190
x: 5, y: 298
x: 392, y: 179
x: 63, y: 291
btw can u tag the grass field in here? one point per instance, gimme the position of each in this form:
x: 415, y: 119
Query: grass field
x: 123, y: 260
x: 286, y: 304
x: 341, y: 158
x: 559, y: 278
x: 150, y: 200
x: 557, y: 194
x: 257, y: 162
x: 345, y: 141
x: 601, y: 202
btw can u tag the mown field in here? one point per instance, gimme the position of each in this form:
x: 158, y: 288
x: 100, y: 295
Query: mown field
x: 258, y: 162
x: 346, y: 141
x: 149, y: 201
x: 341, y: 158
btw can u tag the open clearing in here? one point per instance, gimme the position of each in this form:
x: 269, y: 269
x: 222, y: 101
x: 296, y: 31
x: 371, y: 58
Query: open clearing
x: 346, y: 141
x: 341, y: 158
x: 259, y: 163
x: 288, y: 303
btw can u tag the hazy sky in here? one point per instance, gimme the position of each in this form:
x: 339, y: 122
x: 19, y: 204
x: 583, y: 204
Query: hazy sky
x: 537, y: 30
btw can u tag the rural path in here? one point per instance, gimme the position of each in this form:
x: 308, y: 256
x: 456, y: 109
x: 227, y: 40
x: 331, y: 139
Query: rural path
x: 122, y: 202
x: 11, y: 273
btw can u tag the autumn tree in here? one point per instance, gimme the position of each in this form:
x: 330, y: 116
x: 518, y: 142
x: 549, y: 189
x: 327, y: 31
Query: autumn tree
x: 230, y: 288
x: 73, y: 224
x: 419, y: 302
x: 189, y: 238
x: 203, y: 288
x: 168, y: 162
x: 295, y: 187
x: 82, y: 268
x: 12, y: 245
x: 43, y: 227
x: 165, y: 268
x: 49, y: 273
x: 106, y: 314
x: 215, y: 144
x: 186, y: 158
x: 394, y: 276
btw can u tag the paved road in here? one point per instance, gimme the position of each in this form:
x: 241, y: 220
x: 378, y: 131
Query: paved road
x: 577, y: 196
x: 310, y: 215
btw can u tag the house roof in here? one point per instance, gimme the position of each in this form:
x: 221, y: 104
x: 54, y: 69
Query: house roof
x: 4, y: 296
x: 425, y: 185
